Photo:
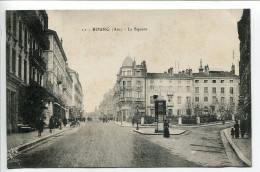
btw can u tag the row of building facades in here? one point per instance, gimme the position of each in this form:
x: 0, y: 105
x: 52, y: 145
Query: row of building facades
x: 35, y: 55
x: 186, y: 93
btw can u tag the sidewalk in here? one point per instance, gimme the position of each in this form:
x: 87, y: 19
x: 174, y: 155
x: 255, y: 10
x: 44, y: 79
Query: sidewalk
x: 20, y: 141
x: 124, y: 124
x: 241, y: 146
x: 150, y: 131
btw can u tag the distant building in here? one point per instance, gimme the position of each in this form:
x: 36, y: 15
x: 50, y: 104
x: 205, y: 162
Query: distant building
x: 130, y: 91
x: 76, y: 109
x: 186, y: 93
x: 245, y: 65
x: 106, y: 107
x: 26, y: 42
x: 57, y: 79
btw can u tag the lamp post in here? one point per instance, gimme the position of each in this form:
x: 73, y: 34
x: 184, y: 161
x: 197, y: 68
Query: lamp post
x: 137, y: 114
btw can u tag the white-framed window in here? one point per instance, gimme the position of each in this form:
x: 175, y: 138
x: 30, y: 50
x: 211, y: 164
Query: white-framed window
x: 205, y: 99
x: 179, y: 99
x: 214, y: 90
x: 197, y: 89
x: 231, y: 90
x: 206, y: 90
x: 197, y: 99
x: 222, y: 90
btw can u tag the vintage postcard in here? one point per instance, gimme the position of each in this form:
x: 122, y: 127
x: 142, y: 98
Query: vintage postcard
x: 128, y: 88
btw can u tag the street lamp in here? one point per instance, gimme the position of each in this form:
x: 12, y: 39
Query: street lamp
x: 137, y: 121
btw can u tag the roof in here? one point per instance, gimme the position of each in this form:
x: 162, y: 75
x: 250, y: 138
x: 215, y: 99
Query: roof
x: 53, y: 32
x: 166, y: 75
x: 214, y: 74
x: 128, y: 62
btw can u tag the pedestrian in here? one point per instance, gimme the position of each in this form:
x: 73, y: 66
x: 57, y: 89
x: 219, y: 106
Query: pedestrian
x: 65, y: 121
x: 236, y: 126
x: 166, y: 132
x: 232, y: 132
x: 59, y: 124
x: 133, y: 121
x: 51, y: 124
x: 243, y: 128
x: 39, y: 126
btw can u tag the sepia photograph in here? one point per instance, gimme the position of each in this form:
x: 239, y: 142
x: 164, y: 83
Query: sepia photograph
x: 128, y: 88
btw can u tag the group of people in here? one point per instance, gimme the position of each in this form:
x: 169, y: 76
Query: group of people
x: 239, y: 129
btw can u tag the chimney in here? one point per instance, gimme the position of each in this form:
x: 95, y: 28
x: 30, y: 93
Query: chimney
x: 200, y: 68
x: 187, y: 71
x: 183, y: 72
x: 232, y: 72
x: 190, y: 72
x: 207, y: 69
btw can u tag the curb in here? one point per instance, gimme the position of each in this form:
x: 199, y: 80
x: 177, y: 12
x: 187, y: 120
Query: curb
x: 140, y: 132
x: 13, y: 152
x: 236, y: 149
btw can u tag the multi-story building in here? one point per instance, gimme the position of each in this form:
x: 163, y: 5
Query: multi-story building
x: 176, y: 89
x: 57, y: 80
x: 25, y: 43
x: 215, y: 92
x: 245, y: 65
x: 77, y: 95
x: 106, y: 107
x: 185, y: 92
x: 130, y: 89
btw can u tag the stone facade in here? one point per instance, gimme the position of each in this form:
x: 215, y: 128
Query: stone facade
x: 245, y: 65
x: 25, y: 43
x: 186, y: 93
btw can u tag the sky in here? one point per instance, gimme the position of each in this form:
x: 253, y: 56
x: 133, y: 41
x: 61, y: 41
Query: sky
x: 168, y: 37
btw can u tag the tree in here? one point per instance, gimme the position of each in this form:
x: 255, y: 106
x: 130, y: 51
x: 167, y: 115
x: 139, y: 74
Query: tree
x: 32, y: 103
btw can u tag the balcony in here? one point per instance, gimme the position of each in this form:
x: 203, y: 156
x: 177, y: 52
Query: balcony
x: 37, y: 59
x: 139, y: 99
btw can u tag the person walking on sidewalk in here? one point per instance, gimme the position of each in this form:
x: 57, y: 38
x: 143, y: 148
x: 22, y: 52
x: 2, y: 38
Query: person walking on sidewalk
x: 236, y: 126
x: 39, y: 126
x: 65, y: 121
x: 51, y: 124
x: 243, y: 128
x: 232, y: 132
x: 166, y: 132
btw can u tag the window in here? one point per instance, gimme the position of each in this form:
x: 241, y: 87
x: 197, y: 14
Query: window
x: 151, y: 87
x: 14, y: 62
x: 179, y: 100
x: 231, y: 90
x: 151, y: 100
x: 170, y: 112
x: 213, y: 81
x: 20, y: 67
x: 197, y: 99
x: 206, y: 90
x: 128, y: 83
x: 179, y: 88
x: 25, y: 38
x: 222, y: 90
x: 124, y: 84
x: 14, y: 24
x: 196, y: 81
x: 188, y: 88
x: 197, y: 89
x: 129, y: 73
x: 138, y: 83
x: 20, y: 32
x: 179, y: 112
x: 231, y: 81
x: 8, y: 57
x: 205, y: 99
x: 138, y: 73
x: 222, y: 100
x: 214, y: 99
x: 161, y: 88
x: 222, y: 81
x: 170, y: 99
x: 130, y: 94
x: 214, y: 90
x: 139, y: 94
x: 205, y: 81
x: 123, y: 73
x: 152, y: 112
x: 231, y: 100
